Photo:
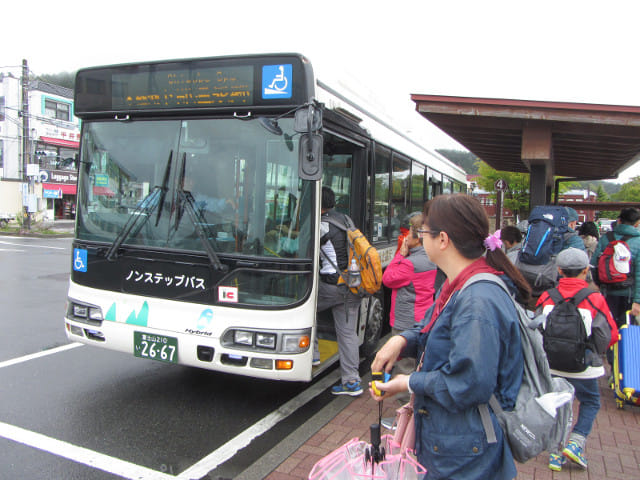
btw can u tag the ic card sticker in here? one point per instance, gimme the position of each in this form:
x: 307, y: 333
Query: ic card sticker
x: 228, y: 294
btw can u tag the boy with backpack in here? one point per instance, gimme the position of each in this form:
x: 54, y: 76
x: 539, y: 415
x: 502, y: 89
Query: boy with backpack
x: 618, y: 275
x: 577, y: 329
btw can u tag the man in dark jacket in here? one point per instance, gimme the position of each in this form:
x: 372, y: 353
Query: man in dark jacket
x: 620, y: 300
x: 343, y: 304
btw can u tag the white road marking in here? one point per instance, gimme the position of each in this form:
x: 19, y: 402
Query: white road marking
x: 82, y: 455
x: 229, y: 449
x: 136, y: 472
x: 11, y: 250
x: 32, y: 246
x: 44, y: 353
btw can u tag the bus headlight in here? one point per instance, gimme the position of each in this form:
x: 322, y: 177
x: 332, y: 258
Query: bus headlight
x: 266, y: 340
x: 283, y: 341
x: 297, y: 343
x: 82, y: 312
x: 243, y: 337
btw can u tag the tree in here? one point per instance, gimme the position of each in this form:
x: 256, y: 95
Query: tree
x: 516, y: 197
x: 629, y: 192
x: 62, y: 79
x: 603, y: 196
x: 465, y: 160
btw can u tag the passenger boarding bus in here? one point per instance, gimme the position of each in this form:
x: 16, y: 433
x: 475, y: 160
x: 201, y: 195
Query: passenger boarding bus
x: 198, y: 210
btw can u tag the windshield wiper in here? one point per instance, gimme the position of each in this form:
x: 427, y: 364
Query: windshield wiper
x: 145, y: 209
x: 155, y: 199
x: 165, y: 187
x: 185, y: 201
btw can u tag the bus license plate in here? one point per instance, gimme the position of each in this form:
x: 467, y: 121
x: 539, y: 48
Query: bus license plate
x: 155, y: 347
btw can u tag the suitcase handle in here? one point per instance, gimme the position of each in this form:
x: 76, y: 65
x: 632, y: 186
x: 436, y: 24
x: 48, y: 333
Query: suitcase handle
x: 628, y: 318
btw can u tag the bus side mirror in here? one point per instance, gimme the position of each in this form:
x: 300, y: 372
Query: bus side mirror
x: 310, y: 156
x: 308, y: 121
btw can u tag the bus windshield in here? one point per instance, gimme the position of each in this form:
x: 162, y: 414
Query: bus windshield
x: 176, y: 184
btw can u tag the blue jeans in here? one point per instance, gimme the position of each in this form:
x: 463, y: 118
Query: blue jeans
x: 588, y: 394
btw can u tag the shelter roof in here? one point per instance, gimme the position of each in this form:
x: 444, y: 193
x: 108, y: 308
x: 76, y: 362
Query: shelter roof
x: 589, y: 141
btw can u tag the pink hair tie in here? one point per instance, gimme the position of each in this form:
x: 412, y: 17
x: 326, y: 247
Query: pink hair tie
x: 493, y: 241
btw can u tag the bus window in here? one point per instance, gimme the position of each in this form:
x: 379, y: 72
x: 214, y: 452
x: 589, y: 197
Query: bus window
x: 434, y: 185
x: 417, y: 187
x: 381, y: 206
x: 337, y: 168
x: 447, y: 186
x: 400, y: 200
x: 242, y: 183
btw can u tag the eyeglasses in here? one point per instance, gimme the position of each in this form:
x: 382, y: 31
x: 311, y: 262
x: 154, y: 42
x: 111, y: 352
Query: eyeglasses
x: 422, y: 232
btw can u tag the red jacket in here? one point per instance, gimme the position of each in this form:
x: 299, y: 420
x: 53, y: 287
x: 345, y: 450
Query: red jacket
x: 411, y: 280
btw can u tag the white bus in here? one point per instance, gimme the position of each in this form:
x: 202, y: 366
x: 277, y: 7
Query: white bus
x: 196, y: 237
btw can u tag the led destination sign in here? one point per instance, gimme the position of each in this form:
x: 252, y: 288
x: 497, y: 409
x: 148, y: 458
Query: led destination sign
x: 205, y: 84
x: 194, y: 87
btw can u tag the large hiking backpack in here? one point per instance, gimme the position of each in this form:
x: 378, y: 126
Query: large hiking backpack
x: 540, y: 277
x: 366, y: 257
x: 565, y: 336
x: 616, y: 256
x: 544, y: 239
x: 529, y: 428
x: 548, y: 226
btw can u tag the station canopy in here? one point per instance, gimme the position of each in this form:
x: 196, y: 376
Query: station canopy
x: 583, y: 141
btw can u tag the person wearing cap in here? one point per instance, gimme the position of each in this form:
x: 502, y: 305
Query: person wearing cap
x: 571, y: 239
x: 621, y: 300
x: 573, y: 266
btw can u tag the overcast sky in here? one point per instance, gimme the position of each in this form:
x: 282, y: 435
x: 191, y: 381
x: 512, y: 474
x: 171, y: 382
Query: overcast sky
x: 559, y: 50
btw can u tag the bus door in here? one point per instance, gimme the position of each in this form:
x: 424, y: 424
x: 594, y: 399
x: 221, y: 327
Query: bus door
x: 344, y: 171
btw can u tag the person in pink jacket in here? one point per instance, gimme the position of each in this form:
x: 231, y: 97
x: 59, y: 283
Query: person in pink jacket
x: 411, y: 278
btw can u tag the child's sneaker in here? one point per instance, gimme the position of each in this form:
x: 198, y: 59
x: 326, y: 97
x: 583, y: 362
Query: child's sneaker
x: 556, y: 462
x: 574, y: 453
x: 351, y: 388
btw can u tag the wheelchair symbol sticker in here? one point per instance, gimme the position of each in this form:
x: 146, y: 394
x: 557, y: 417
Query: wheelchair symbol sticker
x: 276, y: 81
x: 80, y: 259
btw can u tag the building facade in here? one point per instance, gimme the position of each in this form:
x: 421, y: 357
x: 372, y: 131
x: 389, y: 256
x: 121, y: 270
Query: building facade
x: 578, y: 197
x: 38, y: 148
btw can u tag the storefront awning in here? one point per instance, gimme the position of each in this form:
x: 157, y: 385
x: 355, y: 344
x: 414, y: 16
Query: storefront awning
x: 60, y: 142
x: 66, y: 188
x: 106, y: 191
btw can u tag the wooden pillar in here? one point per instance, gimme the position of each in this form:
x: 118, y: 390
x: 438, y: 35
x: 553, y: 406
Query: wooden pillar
x: 537, y: 155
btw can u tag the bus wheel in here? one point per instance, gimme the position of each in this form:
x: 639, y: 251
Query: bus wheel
x: 373, y: 328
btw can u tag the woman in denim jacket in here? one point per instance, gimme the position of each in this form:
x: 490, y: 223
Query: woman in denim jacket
x: 470, y: 344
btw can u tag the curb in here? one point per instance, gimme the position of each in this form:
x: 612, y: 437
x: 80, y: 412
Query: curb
x: 37, y: 234
x: 268, y: 463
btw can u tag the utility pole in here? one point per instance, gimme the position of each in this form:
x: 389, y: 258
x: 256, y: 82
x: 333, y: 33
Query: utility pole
x: 26, y: 144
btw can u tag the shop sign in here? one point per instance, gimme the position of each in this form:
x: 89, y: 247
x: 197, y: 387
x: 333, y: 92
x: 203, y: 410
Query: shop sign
x: 49, y: 193
x: 59, y: 176
x: 101, y: 180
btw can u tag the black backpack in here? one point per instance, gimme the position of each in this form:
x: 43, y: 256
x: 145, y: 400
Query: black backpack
x: 565, y: 336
